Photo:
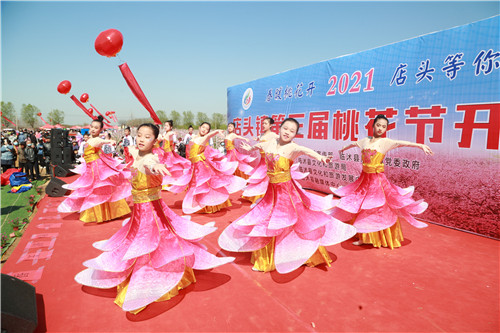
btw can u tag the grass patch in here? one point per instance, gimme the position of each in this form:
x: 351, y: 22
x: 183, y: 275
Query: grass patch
x: 17, y: 209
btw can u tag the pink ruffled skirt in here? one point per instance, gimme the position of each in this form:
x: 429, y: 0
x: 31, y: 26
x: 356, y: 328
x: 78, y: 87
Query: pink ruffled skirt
x: 151, y: 253
x: 211, y: 183
x: 180, y: 168
x: 373, y: 204
x: 296, y: 221
x: 104, y: 180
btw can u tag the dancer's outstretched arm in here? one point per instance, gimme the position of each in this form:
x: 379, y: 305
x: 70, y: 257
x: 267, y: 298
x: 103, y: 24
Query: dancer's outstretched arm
x: 301, y: 150
x: 400, y: 143
x: 247, y: 147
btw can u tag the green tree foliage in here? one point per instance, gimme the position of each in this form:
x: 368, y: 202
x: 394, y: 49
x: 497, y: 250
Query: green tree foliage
x: 200, y: 118
x: 29, y: 114
x: 175, y: 117
x: 8, y: 112
x: 56, y: 117
x: 219, y: 121
x: 137, y: 122
x: 187, y: 119
x: 162, y: 115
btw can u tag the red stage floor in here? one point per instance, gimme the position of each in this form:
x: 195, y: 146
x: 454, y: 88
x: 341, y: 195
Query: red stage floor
x: 441, y: 280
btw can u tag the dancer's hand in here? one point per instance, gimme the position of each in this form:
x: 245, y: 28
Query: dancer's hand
x: 161, y: 169
x: 245, y: 146
x: 427, y: 150
x: 326, y: 159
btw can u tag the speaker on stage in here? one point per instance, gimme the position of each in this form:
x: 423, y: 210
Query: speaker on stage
x: 62, y: 170
x: 61, y: 152
x: 18, y: 305
x: 62, y: 155
x: 56, y: 155
x: 54, y: 188
x: 58, y: 138
x: 68, y: 155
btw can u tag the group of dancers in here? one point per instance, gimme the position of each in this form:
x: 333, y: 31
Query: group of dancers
x: 153, y: 255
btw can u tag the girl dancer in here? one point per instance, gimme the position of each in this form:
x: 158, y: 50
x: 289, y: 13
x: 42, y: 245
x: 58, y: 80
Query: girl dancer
x: 266, y: 133
x: 257, y: 180
x: 179, y: 167
x: 99, y: 193
x: 287, y: 228
x: 212, y: 178
x: 153, y: 255
x: 371, y: 203
x: 233, y: 155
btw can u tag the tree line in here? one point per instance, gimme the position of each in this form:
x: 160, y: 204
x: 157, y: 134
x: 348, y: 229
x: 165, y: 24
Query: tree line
x: 29, y: 117
x: 182, y: 120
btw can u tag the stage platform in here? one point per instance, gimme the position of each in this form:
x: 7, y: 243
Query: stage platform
x: 440, y: 280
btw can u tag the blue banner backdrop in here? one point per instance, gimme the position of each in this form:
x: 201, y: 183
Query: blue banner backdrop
x: 441, y: 89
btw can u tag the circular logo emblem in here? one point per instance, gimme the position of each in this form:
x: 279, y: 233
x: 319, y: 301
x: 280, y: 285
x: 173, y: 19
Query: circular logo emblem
x: 247, y: 99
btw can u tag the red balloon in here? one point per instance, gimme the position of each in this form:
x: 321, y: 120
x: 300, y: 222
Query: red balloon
x: 109, y: 42
x: 108, y: 113
x: 64, y: 87
x: 39, y: 114
x: 91, y: 110
x: 84, y: 98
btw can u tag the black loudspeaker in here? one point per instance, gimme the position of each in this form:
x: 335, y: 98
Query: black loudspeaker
x: 60, y: 156
x: 54, y: 188
x: 61, y: 150
x: 58, y: 138
x: 18, y: 305
x: 67, y: 155
x: 56, y: 156
x: 62, y: 170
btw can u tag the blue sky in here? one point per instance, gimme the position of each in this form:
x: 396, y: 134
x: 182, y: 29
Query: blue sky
x: 186, y: 54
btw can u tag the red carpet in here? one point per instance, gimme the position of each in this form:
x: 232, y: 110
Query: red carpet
x: 441, y: 280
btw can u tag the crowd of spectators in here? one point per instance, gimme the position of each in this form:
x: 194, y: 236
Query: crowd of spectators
x: 26, y: 149
x: 30, y: 149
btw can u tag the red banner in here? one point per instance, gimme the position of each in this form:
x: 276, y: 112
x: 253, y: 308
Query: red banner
x: 8, y: 120
x: 81, y: 106
x: 136, y: 89
x: 104, y: 118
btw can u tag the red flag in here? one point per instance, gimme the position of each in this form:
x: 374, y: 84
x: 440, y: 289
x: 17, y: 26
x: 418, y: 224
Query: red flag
x: 136, y: 89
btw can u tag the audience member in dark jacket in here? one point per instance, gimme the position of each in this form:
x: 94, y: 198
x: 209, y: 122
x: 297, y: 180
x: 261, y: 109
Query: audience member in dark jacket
x: 32, y: 162
x: 22, y: 157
